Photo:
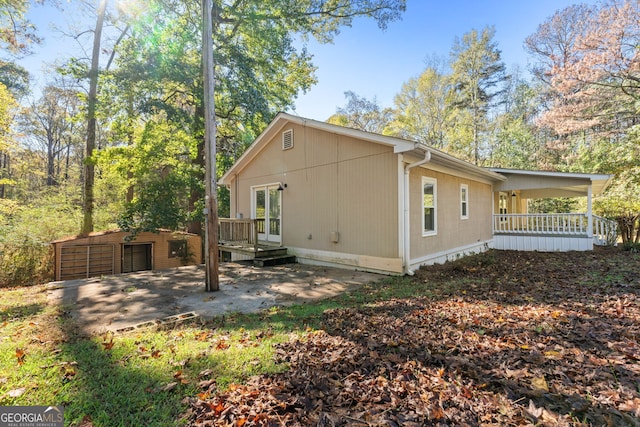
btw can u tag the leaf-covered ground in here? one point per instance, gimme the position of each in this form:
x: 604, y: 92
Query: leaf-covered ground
x: 503, y: 338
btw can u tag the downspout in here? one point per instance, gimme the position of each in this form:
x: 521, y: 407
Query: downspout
x: 407, y: 225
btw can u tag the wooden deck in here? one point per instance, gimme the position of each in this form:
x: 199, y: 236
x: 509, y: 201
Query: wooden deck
x: 240, y: 236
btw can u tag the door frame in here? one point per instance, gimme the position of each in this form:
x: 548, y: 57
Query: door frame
x: 267, y: 236
x: 148, y: 256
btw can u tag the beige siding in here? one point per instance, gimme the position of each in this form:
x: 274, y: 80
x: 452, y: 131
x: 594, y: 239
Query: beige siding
x: 452, y: 231
x: 334, y: 184
x: 116, y: 240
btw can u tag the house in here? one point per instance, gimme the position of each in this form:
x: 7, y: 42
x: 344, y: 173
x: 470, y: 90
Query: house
x: 116, y: 251
x: 342, y: 197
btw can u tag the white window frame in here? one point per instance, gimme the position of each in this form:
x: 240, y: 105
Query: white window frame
x: 464, y: 201
x: 432, y: 181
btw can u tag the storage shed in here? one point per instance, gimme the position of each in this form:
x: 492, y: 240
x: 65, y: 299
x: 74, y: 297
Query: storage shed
x: 115, y: 252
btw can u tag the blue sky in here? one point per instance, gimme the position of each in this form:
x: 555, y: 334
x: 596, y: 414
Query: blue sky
x: 364, y: 59
x: 375, y: 63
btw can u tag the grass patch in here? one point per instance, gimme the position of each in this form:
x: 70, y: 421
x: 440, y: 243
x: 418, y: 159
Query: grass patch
x: 142, y: 377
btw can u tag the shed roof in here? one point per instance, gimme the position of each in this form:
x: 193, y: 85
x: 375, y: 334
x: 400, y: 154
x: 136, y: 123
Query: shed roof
x: 107, y: 232
x: 399, y: 146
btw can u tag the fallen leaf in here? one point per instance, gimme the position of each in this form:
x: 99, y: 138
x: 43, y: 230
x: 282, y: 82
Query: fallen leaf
x: 169, y: 387
x: 222, y: 345
x: 540, y: 383
x: 17, y: 392
x: 20, y: 355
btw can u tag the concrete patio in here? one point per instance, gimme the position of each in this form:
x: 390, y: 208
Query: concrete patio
x: 128, y: 301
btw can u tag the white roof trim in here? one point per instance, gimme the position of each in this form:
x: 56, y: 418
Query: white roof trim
x: 591, y: 176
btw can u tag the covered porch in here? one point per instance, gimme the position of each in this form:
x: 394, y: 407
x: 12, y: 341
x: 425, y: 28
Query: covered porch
x: 514, y: 228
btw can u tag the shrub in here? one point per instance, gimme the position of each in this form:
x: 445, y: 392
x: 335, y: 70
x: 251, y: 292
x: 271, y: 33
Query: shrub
x: 27, y: 264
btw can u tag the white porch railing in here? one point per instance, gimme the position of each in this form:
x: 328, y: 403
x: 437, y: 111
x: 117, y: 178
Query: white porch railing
x: 605, y: 231
x: 565, y: 224
x: 549, y: 224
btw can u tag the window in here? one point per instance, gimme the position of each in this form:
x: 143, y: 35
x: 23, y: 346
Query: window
x: 287, y: 139
x: 429, y: 197
x: 177, y: 248
x: 464, y: 201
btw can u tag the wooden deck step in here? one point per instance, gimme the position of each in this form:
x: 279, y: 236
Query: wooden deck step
x: 268, y: 252
x: 264, y: 251
x: 274, y: 260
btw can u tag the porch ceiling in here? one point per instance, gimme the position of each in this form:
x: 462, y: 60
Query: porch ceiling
x: 540, y: 184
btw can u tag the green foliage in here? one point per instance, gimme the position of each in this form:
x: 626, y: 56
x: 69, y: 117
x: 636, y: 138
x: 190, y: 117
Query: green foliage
x: 554, y: 205
x: 25, y: 263
x: 260, y: 67
x: 631, y: 246
x: 15, y: 78
x: 7, y: 111
x: 162, y: 175
x: 362, y: 114
x: 28, y: 227
x: 478, y: 73
x: 618, y: 205
x: 423, y: 109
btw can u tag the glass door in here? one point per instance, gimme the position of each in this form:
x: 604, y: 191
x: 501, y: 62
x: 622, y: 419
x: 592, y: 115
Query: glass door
x: 267, y: 210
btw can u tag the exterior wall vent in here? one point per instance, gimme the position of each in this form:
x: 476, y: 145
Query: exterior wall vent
x: 287, y: 139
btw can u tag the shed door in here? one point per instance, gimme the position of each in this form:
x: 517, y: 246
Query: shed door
x: 79, y: 262
x: 137, y: 257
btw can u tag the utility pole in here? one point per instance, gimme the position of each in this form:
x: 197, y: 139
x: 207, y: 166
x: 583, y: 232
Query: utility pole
x: 211, y: 194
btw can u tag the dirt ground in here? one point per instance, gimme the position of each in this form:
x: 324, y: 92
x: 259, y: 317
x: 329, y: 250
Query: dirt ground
x: 127, y: 301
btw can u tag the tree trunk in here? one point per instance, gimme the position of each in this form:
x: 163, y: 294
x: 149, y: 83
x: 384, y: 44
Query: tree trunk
x: 196, y: 195
x: 4, y: 172
x: 89, y: 167
x: 51, y: 163
x: 130, y: 191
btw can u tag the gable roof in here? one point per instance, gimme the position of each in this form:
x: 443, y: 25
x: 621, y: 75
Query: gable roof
x: 399, y: 146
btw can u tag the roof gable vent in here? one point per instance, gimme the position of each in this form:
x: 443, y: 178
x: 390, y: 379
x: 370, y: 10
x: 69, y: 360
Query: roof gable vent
x: 287, y: 139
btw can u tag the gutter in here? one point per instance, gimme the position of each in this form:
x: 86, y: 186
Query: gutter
x: 406, y: 262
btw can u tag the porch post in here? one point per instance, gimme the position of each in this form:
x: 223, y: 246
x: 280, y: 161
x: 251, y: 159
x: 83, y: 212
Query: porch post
x: 590, y: 211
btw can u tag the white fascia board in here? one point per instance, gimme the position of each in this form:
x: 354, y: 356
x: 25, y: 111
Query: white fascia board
x: 590, y: 176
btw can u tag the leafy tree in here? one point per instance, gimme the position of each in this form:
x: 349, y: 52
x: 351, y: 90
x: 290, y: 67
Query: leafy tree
x: 7, y: 112
x: 622, y: 201
x: 16, y: 33
x: 259, y: 69
x: 15, y: 78
x: 161, y: 162
x: 477, y: 74
x: 361, y: 113
x: 517, y: 142
x: 423, y: 108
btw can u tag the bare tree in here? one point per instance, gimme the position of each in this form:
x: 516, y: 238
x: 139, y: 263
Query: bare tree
x: 50, y: 124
